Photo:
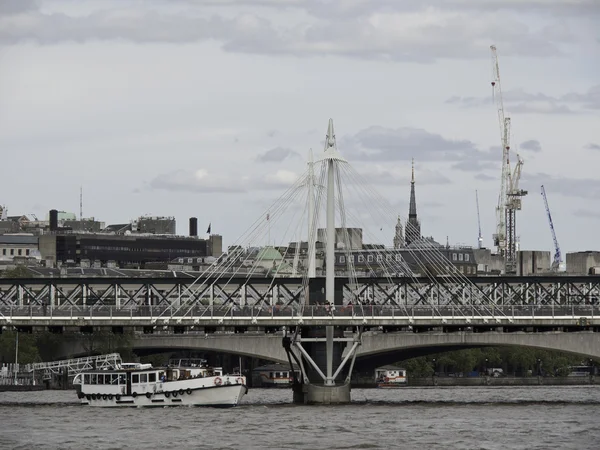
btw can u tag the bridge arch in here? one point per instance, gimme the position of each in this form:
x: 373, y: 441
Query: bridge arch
x: 384, y: 348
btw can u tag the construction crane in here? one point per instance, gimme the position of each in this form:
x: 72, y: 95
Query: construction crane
x: 480, y: 237
x: 509, y: 198
x: 557, y: 261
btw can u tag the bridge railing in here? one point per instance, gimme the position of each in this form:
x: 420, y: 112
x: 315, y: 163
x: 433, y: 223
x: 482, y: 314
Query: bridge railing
x: 156, y: 313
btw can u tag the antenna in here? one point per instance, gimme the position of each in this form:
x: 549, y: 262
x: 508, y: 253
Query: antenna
x: 81, y: 203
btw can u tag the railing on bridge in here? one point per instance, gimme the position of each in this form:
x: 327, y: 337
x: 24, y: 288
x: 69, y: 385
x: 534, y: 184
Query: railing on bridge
x: 150, y: 315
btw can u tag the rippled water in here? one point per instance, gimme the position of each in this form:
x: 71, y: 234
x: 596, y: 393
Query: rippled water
x: 425, y: 418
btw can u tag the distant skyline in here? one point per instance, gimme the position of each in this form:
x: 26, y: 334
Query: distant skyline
x: 208, y: 108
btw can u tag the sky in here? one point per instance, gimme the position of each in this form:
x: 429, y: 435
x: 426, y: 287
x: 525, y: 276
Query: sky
x: 208, y: 108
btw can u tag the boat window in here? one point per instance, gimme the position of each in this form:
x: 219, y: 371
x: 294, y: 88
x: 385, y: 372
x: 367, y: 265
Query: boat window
x: 86, y: 378
x: 122, y: 379
x: 114, y: 378
x: 143, y: 378
x: 94, y: 379
x: 135, y: 378
x: 100, y: 378
x: 152, y: 377
x: 270, y: 374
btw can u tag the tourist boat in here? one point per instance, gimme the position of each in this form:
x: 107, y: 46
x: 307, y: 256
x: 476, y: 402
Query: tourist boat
x: 134, y: 384
x: 390, y: 377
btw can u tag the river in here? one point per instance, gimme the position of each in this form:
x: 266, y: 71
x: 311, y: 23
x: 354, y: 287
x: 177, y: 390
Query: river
x: 421, y: 418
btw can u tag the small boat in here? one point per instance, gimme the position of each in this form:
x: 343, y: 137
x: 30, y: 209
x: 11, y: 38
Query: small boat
x: 390, y: 377
x: 135, y: 384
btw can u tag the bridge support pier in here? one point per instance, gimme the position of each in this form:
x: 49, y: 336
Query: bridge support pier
x: 324, y: 374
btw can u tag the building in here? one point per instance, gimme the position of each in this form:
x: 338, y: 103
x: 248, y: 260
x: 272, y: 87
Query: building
x: 583, y: 263
x: 14, y: 246
x: 344, y: 236
x: 413, y: 226
x: 154, y: 225
x: 122, y: 250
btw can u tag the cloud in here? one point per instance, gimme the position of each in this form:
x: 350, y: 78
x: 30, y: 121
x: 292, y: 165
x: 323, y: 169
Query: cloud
x: 199, y: 181
x: 532, y: 145
x: 587, y: 214
x: 396, y: 175
x: 592, y: 146
x: 568, y: 187
x: 378, y: 143
x: 419, y: 34
x: 203, y: 181
x: 472, y: 165
x: 484, y: 177
x: 17, y: 6
x: 521, y: 101
x: 277, y: 154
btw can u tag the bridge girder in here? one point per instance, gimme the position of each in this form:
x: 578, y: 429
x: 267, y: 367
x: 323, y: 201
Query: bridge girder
x: 179, y: 293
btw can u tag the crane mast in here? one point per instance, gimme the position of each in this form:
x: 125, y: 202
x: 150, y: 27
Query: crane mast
x: 557, y: 261
x: 480, y: 237
x: 509, y: 198
x: 504, y: 124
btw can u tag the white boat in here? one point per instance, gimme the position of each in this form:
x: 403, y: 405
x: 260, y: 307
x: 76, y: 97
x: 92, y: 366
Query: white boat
x: 134, y: 384
x: 390, y: 377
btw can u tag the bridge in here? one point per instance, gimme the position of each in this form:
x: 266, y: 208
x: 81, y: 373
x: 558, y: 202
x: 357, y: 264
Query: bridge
x: 378, y: 347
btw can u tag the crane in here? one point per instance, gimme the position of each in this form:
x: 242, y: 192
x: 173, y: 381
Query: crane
x: 557, y: 261
x: 509, y: 199
x: 504, y: 123
x: 480, y: 237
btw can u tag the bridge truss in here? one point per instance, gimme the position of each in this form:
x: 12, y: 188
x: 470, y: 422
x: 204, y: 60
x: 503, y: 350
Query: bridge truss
x: 225, y: 294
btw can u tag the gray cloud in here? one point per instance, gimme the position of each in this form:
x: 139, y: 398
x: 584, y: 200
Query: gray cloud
x: 568, y: 187
x: 524, y: 102
x: 473, y: 165
x: 424, y: 177
x: 422, y: 39
x: 484, y: 177
x: 277, y: 154
x: 587, y: 214
x: 592, y: 146
x: 17, y: 6
x: 201, y: 182
x: 532, y: 145
x: 378, y: 143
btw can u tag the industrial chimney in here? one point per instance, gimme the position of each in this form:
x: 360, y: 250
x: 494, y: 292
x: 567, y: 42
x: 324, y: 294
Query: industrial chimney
x: 193, y: 226
x: 53, y: 220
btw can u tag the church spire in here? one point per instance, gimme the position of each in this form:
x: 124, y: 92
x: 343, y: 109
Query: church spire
x: 413, y: 226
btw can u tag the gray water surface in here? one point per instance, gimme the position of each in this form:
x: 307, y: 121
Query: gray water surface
x: 420, y: 418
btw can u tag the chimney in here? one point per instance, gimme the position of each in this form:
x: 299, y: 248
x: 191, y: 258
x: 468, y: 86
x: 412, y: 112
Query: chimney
x: 193, y: 226
x: 53, y: 220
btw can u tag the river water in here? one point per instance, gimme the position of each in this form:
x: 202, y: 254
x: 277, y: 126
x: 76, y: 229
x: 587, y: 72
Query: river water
x: 421, y: 418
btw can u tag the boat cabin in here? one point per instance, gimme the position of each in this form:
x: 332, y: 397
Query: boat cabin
x: 390, y: 375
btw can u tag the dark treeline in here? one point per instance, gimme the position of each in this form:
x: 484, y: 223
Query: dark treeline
x: 514, y: 361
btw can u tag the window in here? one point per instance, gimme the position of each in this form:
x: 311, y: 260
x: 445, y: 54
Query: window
x: 114, y: 378
x: 135, y: 378
x: 460, y: 256
x: 12, y: 251
x: 379, y: 258
x: 361, y: 258
x: 467, y: 257
x: 4, y: 251
x: 143, y: 378
x: 342, y: 259
x: 152, y: 377
x: 398, y: 258
x: 388, y: 257
x: 462, y: 269
x: 454, y: 257
x: 94, y: 379
x: 27, y: 252
x: 86, y: 378
x: 370, y: 258
x: 122, y: 378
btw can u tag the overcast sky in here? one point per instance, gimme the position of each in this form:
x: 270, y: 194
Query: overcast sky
x: 207, y: 108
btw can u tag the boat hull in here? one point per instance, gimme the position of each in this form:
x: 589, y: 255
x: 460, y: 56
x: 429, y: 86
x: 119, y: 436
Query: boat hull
x: 216, y: 396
